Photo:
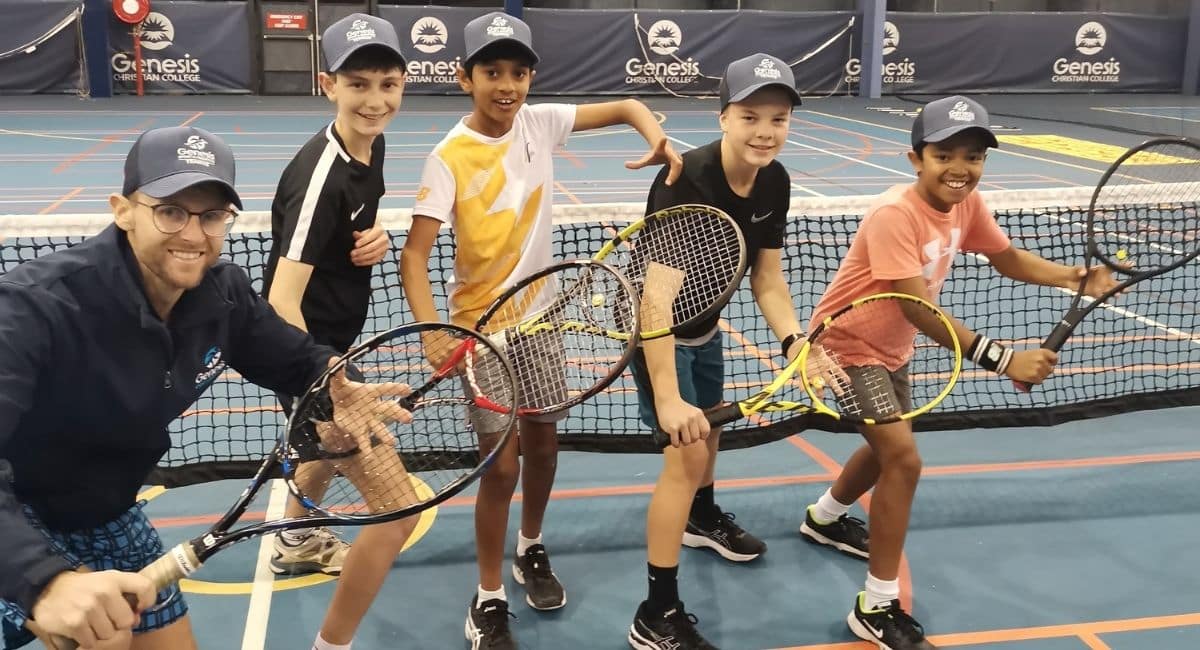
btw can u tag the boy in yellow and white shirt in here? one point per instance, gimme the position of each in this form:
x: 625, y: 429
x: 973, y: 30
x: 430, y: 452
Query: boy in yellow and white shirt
x: 491, y: 179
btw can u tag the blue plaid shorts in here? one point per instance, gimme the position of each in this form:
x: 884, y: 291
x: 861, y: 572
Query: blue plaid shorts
x: 127, y: 543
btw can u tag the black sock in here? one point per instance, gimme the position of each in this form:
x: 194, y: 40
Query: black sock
x: 664, y: 589
x: 704, y: 509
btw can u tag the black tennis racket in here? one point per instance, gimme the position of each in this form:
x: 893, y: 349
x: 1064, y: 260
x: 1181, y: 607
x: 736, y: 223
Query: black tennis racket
x: 684, y: 262
x: 394, y: 428
x: 569, y: 331
x: 1143, y: 221
x: 838, y: 371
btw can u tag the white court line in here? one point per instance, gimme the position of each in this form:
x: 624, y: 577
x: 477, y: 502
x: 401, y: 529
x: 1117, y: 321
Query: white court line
x: 1161, y: 117
x: 258, y: 612
x: 795, y: 185
x: 853, y: 160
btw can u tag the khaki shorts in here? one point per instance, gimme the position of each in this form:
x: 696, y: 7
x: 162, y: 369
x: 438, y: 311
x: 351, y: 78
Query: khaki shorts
x: 881, y: 393
x: 539, y: 362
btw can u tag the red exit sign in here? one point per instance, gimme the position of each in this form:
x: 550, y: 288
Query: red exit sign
x: 286, y: 21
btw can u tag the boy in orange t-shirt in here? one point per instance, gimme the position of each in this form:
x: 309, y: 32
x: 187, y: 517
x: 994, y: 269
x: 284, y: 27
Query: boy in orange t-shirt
x: 906, y: 243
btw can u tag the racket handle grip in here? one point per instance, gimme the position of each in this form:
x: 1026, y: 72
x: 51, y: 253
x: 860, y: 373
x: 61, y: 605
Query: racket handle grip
x: 168, y: 569
x: 716, y: 417
x: 1054, y: 342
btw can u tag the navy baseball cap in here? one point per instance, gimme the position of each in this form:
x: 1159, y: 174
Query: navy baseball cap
x: 165, y: 161
x: 354, y: 32
x: 749, y: 74
x: 945, y: 117
x: 497, y: 27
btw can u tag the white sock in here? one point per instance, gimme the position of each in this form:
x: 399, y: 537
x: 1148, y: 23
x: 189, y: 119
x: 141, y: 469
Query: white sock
x: 295, y: 536
x: 880, y: 592
x: 523, y: 542
x: 485, y: 595
x: 827, y: 509
x: 322, y: 644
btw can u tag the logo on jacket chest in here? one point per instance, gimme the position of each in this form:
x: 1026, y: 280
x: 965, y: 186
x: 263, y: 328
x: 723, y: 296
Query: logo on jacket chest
x: 214, y: 363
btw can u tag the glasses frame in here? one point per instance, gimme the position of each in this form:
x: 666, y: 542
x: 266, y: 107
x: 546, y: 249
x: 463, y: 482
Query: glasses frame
x: 226, y: 224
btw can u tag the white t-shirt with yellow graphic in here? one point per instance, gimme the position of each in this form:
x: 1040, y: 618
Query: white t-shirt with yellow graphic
x: 496, y: 193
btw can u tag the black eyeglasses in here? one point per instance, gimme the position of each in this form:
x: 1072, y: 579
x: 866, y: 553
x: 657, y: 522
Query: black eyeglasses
x: 170, y: 219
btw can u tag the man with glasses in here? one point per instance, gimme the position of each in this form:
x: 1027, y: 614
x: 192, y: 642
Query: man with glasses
x: 101, y: 346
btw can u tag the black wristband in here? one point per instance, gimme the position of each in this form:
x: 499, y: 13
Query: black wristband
x: 787, y: 343
x: 989, y: 354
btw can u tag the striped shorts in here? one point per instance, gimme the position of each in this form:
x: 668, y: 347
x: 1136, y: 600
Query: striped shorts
x: 127, y: 543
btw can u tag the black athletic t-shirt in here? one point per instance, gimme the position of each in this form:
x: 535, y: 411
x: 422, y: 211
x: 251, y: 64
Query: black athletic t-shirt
x: 762, y: 216
x: 324, y: 196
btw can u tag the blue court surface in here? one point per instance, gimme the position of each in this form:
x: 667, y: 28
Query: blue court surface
x: 1076, y: 536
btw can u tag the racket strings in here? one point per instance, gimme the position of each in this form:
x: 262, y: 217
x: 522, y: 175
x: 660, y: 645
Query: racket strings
x: 385, y: 458
x: 869, y: 361
x: 1146, y: 213
x: 576, y: 344
x: 704, y: 251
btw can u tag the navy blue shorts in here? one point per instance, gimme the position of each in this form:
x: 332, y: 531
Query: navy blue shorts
x: 700, y: 371
x: 127, y: 543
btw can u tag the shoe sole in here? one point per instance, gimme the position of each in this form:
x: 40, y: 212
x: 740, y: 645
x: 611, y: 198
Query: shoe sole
x: 472, y: 633
x: 863, y: 633
x: 700, y: 541
x: 304, y: 569
x: 813, y: 537
x: 520, y: 578
x: 638, y: 643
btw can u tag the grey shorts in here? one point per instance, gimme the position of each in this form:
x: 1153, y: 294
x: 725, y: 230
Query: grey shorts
x: 880, y: 393
x: 539, y: 362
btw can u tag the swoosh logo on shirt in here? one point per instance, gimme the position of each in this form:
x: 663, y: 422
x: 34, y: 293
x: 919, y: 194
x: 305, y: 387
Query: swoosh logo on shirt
x: 757, y: 218
x: 354, y: 215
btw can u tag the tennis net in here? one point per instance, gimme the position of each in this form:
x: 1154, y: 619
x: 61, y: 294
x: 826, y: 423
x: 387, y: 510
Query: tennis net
x: 1141, y: 353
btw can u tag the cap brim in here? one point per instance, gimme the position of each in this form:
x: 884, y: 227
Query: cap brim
x: 332, y: 66
x: 490, y: 44
x: 169, y: 185
x: 938, y: 136
x: 750, y: 90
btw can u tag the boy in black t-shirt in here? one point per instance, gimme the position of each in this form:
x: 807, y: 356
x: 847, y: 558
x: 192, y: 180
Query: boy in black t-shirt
x: 679, y: 376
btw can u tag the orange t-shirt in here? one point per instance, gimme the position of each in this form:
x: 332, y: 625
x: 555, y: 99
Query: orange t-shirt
x: 903, y: 237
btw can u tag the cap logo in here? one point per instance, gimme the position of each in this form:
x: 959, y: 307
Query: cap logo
x: 962, y: 112
x: 360, y: 31
x: 766, y: 70
x: 500, y: 28
x: 193, y: 152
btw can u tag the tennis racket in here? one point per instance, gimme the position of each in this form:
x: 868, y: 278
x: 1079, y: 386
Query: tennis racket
x: 1143, y: 221
x: 569, y: 331
x: 394, y: 436
x: 838, y: 370
x: 684, y: 262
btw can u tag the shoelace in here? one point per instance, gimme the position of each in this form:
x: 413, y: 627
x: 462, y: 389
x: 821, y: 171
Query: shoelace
x: 905, y: 623
x: 683, y: 626
x: 495, y: 619
x: 539, y: 562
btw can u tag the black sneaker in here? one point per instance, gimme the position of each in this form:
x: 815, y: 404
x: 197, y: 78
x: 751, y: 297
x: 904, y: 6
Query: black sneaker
x: 487, y: 626
x: 847, y: 534
x: 725, y: 537
x: 674, y: 630
x: 543, y: 591
x: 889, y: 627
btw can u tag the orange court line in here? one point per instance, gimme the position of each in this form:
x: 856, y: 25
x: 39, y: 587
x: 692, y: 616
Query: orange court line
x: 572, y: 158
x: 191, y: 119
x: 67, y: 197
x: 741, y: 483
x: 101, y: 145
x: 570, y: 195
x: 1085, y: 631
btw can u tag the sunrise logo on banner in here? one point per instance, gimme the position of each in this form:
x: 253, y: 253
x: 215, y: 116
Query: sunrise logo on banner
x: 664, y: 38
x: 430, y: 35
x: 158, y: 33
x: 902, y: 72
x: 1090, y: 39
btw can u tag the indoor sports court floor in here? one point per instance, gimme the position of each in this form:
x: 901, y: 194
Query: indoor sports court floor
x: 1077, y: 536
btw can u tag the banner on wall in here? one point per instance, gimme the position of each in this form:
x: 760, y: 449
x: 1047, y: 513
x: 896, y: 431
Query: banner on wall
x: 432, y: 39
x: 1055, y: 52
x: 191, y: 47
x: 40, y: 47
